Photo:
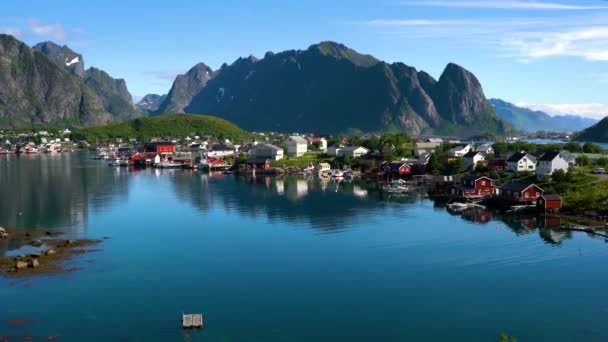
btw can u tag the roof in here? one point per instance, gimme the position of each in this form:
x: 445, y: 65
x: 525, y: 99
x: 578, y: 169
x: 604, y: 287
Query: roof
x: 517, y: 186
x: 324, y: 164
x: 472, y: 154
x: 460, y: 146
x: 549, y: 156
x: 422, y: 144
x: 274, y: 147
x: 484, y: 147
x: 298, y: 139
x: 551, y: 197
x: 474, y: 178
x: 352, y: 148
x: 517, y: 156
x: 568, y: 156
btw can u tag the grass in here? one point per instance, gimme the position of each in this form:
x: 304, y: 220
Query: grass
x: 303, y: 161
x: 167, y: 125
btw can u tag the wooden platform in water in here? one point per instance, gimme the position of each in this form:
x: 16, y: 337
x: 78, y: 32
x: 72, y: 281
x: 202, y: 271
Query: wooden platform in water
x: 192, y: 321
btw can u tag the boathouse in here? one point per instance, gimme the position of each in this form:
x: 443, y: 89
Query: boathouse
x: 549, y: 202
x: 521, y: 192
x: 472, y: 186
x: 396, y: 168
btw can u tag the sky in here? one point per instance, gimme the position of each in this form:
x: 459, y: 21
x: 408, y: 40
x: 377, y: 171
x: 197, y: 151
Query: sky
x: 550, y: 55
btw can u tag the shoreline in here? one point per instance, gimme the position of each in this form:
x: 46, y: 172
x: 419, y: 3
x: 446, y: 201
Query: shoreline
x: 51, y: 254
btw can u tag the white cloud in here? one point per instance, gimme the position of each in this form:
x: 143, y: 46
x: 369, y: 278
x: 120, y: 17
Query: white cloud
x: 164, y: 74
x: 413, y: 22
x: 495, y: 4
x: 55, y: 31
x: 589, y: 110
x: 588, y: 43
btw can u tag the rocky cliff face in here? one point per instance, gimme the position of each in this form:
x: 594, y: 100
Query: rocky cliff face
x: 184, y: 88
x: 330, y: 88
x: 63, y: 56
x: 151, y: 102
x: 35, y: 90
x: 112, y: 93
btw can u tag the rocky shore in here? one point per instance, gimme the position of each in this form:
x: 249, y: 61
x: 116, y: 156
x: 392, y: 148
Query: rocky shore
x: 51, y: 253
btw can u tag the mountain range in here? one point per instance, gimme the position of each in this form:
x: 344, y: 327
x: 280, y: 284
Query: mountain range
x: 528, y: 120
x: 326, y: 88
x: 48, y: 84
x: 595, y: 133
x: 330, y: 88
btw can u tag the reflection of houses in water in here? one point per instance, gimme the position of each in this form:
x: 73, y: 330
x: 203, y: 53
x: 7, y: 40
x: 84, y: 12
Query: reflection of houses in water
x: 297, y: 189
x: 528, y: 223
x: 359, y: 192
x: 477, y: 215
x: 280, y: 186
x: 551, y: 234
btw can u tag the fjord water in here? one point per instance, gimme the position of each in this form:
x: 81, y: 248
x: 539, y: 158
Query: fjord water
x: 287, y: 259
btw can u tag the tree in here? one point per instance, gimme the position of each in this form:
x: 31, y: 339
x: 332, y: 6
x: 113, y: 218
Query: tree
x: 590, y: 147
x: 434, y: 165
x: 602, y: 161
x: 573, y: 147
x: 583, y: 161
x: 559, y: 176
x: 388, y: 152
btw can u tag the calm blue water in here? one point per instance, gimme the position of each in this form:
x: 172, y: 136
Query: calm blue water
x: 288, y: 260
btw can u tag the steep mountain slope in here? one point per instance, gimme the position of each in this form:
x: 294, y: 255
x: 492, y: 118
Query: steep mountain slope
x: 150, y: 102
x: 330, y: 88
x: 595, y: 133
x: 34, y: 89
x: 112, y: 93
x: 184, y: 88
x: 527, y: 120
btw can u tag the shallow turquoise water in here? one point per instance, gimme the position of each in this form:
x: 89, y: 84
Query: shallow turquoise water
x: 287, y: 260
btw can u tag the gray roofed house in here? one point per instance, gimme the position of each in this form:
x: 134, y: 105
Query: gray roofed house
x: 521, y: 161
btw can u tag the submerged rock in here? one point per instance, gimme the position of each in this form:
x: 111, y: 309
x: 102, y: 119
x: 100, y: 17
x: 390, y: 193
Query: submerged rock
x: 19, y: 265
x: 50, y: 252
x: 34, y: 263
x: 36, y: 243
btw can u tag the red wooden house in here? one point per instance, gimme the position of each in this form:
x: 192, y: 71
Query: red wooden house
x: 472, y: 186
x: 213, y: 162
x: 497, y: 164
x: 396, y: 168
x: 521, y: 192
x: 549, y: 202
x: 159, y: 147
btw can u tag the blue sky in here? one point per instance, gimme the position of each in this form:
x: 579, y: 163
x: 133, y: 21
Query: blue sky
x: 550, y: 54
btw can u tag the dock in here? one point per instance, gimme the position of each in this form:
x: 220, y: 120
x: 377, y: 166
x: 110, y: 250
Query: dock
x: 192, y: 321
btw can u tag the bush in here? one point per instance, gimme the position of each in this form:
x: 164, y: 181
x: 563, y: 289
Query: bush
x: 583, y: 161
x: 590, y: 147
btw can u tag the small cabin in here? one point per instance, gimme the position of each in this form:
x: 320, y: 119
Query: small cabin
x: 159, y: 147
x: 549, y: 202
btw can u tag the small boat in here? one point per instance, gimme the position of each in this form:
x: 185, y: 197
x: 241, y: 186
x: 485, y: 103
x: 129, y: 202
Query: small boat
x: 169, y: 165
x: 337, y: 174
x: 115, y: 163
x: 397, y: 189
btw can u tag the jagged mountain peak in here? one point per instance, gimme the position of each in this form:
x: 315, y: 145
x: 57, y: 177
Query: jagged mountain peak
x: 63, y: 56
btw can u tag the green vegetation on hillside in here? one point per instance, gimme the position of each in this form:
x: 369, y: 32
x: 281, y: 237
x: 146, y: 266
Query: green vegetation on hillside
x: 173, y: 125
x: 597, y: 132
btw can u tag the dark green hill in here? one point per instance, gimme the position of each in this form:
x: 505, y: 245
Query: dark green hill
x: 595, y: 133
x: 174, y: 125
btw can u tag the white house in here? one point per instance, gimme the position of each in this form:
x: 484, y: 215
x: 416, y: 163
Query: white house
x: 485, y: 149
x: 472, y: 158
x: 220, y: 151
x: 460, y: 150
x: 266, y: 151
x: 296, y: 146
x: 521, y: 161
x: 551, y: 162
x: 352, y: 151
x: 322, y: 167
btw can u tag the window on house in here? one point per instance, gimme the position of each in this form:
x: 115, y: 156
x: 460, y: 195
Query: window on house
x: 483, y: 183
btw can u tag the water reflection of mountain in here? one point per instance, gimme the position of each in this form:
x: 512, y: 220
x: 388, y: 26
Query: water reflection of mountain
x: 55, y: 190
x: 323, y: 203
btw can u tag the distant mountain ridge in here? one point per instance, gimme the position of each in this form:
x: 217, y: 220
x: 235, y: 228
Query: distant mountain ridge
x: 528, y: 120
x: 331, y: 88
x: 151, y: 102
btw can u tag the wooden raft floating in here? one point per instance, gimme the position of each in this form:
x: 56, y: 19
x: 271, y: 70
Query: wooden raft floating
x: 192, y: 321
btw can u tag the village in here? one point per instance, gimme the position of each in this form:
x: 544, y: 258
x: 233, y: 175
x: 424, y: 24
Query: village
x: 500, y: 174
